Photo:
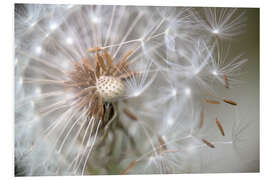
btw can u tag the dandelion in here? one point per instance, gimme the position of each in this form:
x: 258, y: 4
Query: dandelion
x: 120, y: 89
x: 224, y: 23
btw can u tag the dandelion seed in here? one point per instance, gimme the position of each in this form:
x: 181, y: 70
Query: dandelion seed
x: 220, y: 127
x: 226, y: 22
x: 201, y: 119
x: 211, y: 101
x: 208, y: 143
x: 230, y: 102
x: 226, y: 81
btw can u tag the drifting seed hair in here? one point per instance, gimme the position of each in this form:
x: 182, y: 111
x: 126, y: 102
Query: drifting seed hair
x: 208, y: 143
x: 220, y: 127
x: 230, y: 102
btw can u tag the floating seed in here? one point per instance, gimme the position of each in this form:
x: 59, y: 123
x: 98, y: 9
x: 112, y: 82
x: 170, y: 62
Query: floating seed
x: 220, y: 127
x: 211, y: 101
x: 202, y: 119
x: 230, y: 102
x: 226, y: 81
x: 208, y: 143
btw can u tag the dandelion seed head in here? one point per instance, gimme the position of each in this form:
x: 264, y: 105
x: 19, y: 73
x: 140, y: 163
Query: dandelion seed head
x: 226, y: 23
x: 110, y: 87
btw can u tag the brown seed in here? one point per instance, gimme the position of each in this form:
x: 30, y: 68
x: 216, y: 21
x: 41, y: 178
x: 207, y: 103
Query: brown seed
x: 130, y: 114
x: 100, y: 107
x: 131, y: 165
x: 108, y: 58
x: 230, y: 102
x: 97, y: 69
x: 202, y: 119
x: 94, y: 49
x: 211, y: 101
x: 127, y: 75
x: 95, y: 106
x: 101, y: 62
x: 122, y: 63
x: 220, y: 127
x: 226, y: 81
x: 86, y: 64
x: 208, y: 143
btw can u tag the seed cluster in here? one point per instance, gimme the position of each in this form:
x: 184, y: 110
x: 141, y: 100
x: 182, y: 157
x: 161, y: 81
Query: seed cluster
x: 98, y: 79
x: 109, y: 87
